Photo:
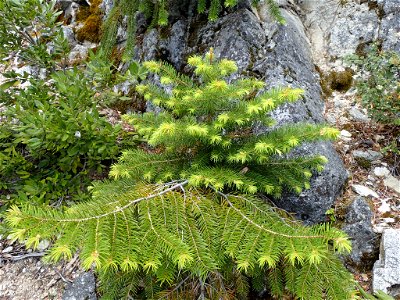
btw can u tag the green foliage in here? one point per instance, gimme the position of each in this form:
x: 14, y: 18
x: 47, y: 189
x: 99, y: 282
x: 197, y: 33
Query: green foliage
x: 379, y: 84
x: 52, y: 139
x: 180, y: 219
x: 29, y: 27
x: 171, y: 231
x: 379, y: 295
x: 206, y: 133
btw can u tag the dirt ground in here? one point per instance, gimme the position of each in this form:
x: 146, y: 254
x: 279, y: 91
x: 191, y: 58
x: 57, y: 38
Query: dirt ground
x: 28, y: 278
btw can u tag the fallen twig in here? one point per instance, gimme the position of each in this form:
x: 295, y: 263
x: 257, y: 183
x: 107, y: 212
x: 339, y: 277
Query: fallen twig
x: 23, y: 256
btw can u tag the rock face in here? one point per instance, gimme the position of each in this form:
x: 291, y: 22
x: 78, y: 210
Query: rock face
x: 83, y: 288
x: 364, y: 240
x: 393, y: 183
x: 386, y: 272
x: 390, y: 25
x: 336, y: 30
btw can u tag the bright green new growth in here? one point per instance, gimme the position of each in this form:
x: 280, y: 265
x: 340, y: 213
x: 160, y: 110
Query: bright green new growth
x: 201, y: 220
x: 206, y: 133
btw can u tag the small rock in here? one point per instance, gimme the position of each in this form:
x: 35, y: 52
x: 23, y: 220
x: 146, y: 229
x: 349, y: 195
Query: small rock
x: 343, y: 120
x: 393, y: 183
x: 381, y: 171
x: 43, y: 245
x: 345, y: 133
x: 368, y: 155
x: 364, y: 191
x: 106, y: 6
x: 79, y: 52
x: 25, y: 69
x: 379, y: 228
x: 331, y: 119
x: 8, y: 249
x: 345, y: 136
x: 89, y: 45
x: 389, y: 220
x: 364, y: 277
x: 385, y: 207
x: 386, y: 271
x: 358, y: 115
x: 69, y: 35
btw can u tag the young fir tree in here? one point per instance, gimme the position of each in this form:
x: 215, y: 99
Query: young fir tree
x: 182, y: 219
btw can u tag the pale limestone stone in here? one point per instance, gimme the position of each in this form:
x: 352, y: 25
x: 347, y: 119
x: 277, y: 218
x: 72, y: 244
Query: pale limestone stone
x: 386, y: 271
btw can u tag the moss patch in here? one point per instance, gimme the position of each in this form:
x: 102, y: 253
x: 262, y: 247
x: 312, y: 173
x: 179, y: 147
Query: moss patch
x: 336, y: 81
x: 92, y: 22
x: 364, y: 163
x: 83, y: 13
x: 91, y: 30
x: 341, y: 81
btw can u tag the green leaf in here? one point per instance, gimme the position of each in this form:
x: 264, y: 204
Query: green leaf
x: 6, y: 85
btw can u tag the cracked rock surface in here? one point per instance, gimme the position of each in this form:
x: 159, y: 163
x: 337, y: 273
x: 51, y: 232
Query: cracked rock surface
x: 386, y: 272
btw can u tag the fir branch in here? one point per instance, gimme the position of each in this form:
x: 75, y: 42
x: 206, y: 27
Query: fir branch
x: 15, y: 211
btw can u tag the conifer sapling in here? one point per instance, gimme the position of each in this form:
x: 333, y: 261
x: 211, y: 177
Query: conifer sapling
x: 184, y: 205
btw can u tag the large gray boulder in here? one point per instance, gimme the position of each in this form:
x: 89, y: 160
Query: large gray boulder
x: 311, y: 205
x: 281, y: 56
x: 173, y: 47
x: 289, y: 63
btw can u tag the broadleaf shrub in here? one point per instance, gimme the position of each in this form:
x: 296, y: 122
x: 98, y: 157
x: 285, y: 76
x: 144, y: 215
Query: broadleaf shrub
x: 53, y: 139
x: 378, y: 83
x: 29, y: 29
